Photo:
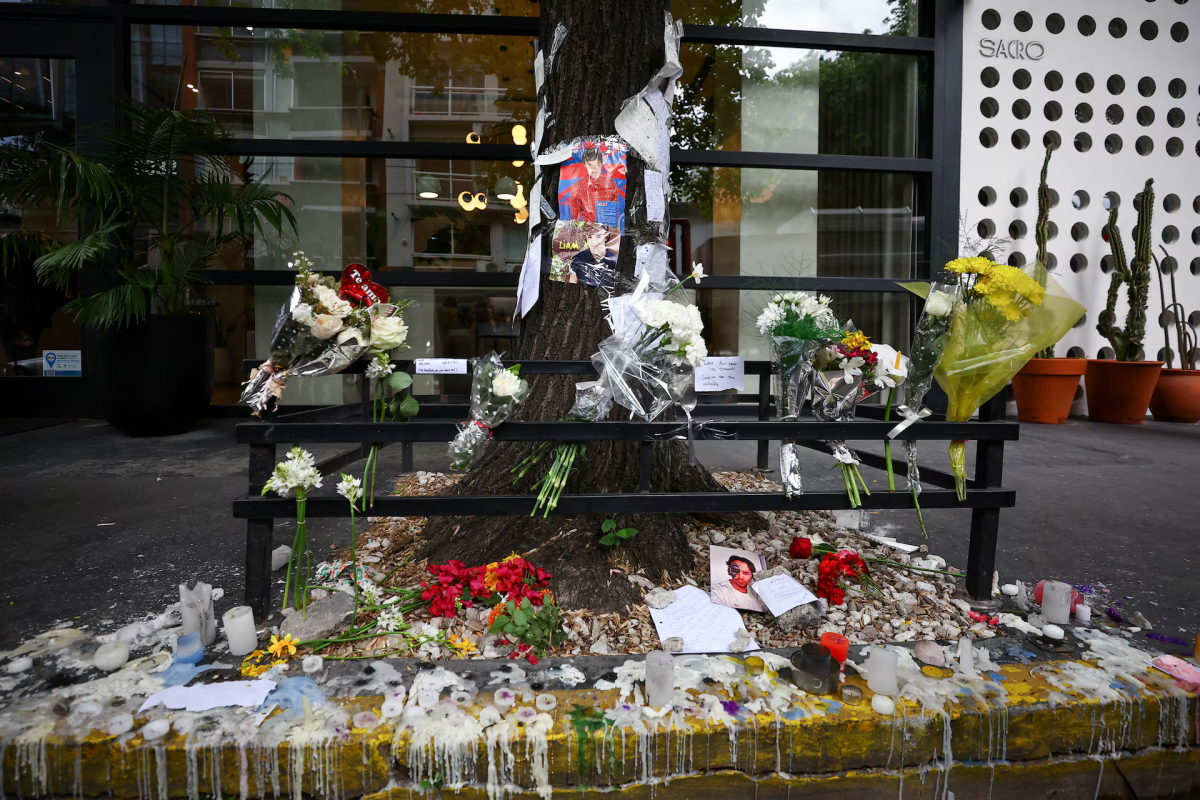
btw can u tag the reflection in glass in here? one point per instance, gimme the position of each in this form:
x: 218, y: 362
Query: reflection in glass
x: 798, y: 223
x: 37, y: 100
x: 508, y: 8
x: 883, y: 17
x: 302, y: 84
x: 788, y: 100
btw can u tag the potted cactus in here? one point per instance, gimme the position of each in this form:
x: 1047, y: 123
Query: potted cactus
x: 1045, y: 387
x: 1119, y: 390
x: 1177, y: 393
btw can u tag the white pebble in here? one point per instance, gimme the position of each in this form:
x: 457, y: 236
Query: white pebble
x: 883, y: 705
x: 111, y: 656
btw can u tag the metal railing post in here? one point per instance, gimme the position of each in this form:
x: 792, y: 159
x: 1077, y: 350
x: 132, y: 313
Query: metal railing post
x: 259, y: 534
x: 764, y: 415
x: 985, y: 522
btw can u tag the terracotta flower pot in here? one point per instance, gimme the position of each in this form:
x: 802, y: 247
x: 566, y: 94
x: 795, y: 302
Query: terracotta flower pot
x: 1120, y: 391
x: 1177, y: 396
x: 1045, y: 388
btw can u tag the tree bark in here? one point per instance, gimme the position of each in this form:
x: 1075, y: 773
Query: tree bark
x: 612, y: 49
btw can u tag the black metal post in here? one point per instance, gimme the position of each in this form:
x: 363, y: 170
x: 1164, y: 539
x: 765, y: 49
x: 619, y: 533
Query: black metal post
x: 647, y: 453
x: 259, y: 536
x: 764, y: 415
x: 985, y: 522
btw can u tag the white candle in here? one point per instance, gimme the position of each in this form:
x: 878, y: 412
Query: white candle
x: 196, y: 609
x: 1056, y: 602
x: 660, y: 679
x: 111, y: 656
x: 1053, y: 632
x: 966, y: 656
x: 240, y: 631
x: 1083, y: 614
x: 881, y: 671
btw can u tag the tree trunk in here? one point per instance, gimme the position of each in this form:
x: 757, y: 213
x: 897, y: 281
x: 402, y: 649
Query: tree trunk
x: 611, y: 51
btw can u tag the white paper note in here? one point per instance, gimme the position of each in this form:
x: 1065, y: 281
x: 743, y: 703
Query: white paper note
x: 782, y: 593
x: 704, y: 626
x: 205, y: 696
x: 652, y: 257
x: 531, y: 272
x: 718, y: 373
x: 555, y: 155
x: 890, y: 542
x: 535, y: 204
x: 655, y: 204
x: 658, y: 105
x: 441, y: 366
x: 637, y: 126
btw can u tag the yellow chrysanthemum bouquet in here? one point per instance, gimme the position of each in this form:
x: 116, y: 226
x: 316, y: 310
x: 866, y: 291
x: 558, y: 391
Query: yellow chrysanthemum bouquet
x: 1006, y: 317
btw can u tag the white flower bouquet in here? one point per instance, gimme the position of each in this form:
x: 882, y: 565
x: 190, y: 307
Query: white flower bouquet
x: 645, y: 366
x: 318, y: 332
x: 797, y: 325
x: 495, y: 394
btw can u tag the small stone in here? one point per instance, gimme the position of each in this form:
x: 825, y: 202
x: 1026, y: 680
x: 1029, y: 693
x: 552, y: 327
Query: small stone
x: 1137, y: 619
x: 930, y: 653
x: 597, y: 629
x: 883, y: 705
x: 659, y: 598
x: 323, y: 617
x: 599, y: 648
x: 673, y: 644
x: 741, y: 642
x: 716, y: 538
x: 634, y: 640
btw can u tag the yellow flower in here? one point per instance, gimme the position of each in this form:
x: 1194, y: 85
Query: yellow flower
x: 279, y: 645
x: 856, y: 341
x: 464, y: 647
x: 975, y: 265
x: 1012, y: 280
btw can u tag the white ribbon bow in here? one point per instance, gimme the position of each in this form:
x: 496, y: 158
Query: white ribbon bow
x: 910, y: 417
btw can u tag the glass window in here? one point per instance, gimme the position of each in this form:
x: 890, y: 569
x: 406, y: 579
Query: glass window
x: 782, y: 99
x: 286, y: 83
x: 885, y: 17
x: 507, y: 8
x: 799, y: 223
x: 37, y: 100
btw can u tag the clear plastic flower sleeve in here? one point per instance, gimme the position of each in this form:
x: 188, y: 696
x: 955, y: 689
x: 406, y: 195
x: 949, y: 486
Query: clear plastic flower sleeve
x: 488, y: 409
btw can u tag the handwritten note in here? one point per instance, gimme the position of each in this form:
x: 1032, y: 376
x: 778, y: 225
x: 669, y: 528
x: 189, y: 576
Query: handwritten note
x: 704, y: 626
x: 655, y: 204
x: 441, y: 366
x: 782, y: 593
x: 719, y: 373
x: 531, y: 271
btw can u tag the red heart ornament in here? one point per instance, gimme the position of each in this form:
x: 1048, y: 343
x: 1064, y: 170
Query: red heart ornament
x: 357, y: 285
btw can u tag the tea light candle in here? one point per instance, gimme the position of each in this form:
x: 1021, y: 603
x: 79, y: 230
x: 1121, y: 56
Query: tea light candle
x: 1056, y: 602
x: 239, y: 630
x: 1083, y: 614
x: 881, y: 671
x: 1053, y: 632
x: 852, y: 695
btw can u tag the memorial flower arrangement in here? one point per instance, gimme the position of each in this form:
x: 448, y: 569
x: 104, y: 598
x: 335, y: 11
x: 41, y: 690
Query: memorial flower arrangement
x: 320, y: 332
x: 645, y: 366
x: 796, y: 325
x: 495, y: 394
x: 838, y: 567
x: 1005, y: 318
x: 296, y: 475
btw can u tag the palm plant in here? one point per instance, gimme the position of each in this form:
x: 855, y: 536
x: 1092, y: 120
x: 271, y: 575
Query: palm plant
x: 154, y: 204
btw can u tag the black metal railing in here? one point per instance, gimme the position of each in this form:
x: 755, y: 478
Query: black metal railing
x: 351, y: 424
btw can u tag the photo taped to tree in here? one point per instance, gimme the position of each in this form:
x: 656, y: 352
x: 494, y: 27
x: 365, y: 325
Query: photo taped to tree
x: 584, y: 252
x: 591, y: 210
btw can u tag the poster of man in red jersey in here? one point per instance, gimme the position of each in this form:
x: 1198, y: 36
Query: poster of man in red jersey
x: 591, y: 184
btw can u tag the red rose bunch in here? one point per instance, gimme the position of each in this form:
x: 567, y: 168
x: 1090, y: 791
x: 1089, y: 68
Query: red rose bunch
x: 833, y: 572
x: 456, y: 584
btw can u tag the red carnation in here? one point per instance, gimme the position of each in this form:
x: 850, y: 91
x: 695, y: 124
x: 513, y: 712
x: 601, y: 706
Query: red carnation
x: 801, y: 547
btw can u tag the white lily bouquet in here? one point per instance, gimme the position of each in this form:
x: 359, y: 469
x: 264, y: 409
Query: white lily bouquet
x: 318, y: 332
x: 495, y: 394
x: 645, y: 366
x: 796, y: 325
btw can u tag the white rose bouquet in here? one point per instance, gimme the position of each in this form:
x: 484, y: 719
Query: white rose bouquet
x: 495, y: 394
x: 320, y: 333
x: 797, y: 325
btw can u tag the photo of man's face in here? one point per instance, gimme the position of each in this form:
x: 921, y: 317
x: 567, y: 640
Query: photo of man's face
x: 740, y: 579
x: 594, y: 167
x: 597, y: 242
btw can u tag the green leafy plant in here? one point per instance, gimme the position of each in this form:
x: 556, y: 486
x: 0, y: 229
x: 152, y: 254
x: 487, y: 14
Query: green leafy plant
x: 538, y: 627
x: 612, y: 535
x: 1127, y: 342
x: 155, y: 203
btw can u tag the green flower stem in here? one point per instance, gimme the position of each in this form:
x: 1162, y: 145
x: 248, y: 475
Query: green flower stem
x: 354, y: 560
x: 887, y: 443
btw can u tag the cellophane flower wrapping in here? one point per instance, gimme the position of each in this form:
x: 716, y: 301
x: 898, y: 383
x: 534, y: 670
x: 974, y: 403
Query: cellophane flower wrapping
x: 650, y: 360
x: 494, y: 398
x: 1007, y: 316
x: 928, y: 345
x: 796, y: 325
